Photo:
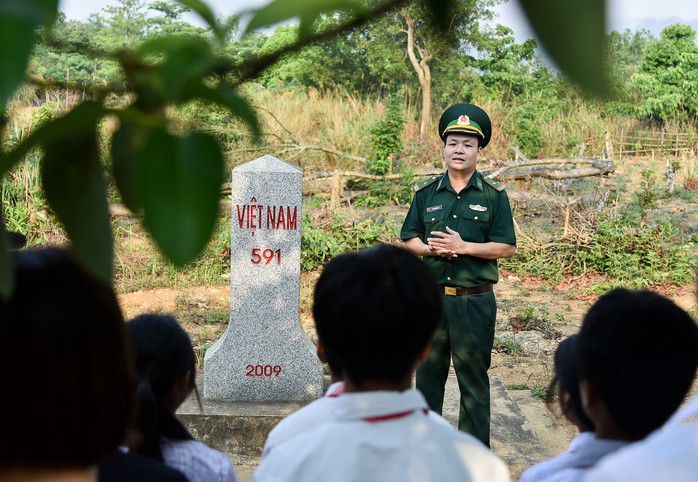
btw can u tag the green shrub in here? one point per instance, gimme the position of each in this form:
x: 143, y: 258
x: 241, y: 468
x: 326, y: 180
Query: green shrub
x: 508, y: 346
x: 386, y: 139
x: 43, y: 114
x: 646, y: 197
x: 629, y: 251
x: 382, y: 192
x: 319, y: 245
x: 528, y: 133
x: 24, y: 208
x: 534, y: 318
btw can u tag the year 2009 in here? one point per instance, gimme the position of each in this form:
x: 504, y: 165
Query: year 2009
x: 263, y: 370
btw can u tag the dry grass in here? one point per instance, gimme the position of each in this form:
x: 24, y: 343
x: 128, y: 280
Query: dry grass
x: 338, y: 121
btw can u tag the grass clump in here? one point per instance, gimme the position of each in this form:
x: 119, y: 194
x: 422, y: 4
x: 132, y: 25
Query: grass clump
x: 508, y: 346
x: 325, y: 237
x: 534, y: 318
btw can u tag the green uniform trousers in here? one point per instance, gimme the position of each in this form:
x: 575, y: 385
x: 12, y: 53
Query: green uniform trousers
x: 466, y: 333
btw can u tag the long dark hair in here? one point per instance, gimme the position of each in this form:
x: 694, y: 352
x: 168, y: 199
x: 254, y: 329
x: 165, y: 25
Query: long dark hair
x: 567, y: 379
x: 164, y: 355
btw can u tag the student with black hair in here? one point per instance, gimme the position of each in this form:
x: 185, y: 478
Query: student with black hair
x: 64, y: 349
x: 669, y: 453
x: 375, y: 312
x: 564, y: 385
x: 64, y: 337
x: 638, y: 354
x: 166, y: 370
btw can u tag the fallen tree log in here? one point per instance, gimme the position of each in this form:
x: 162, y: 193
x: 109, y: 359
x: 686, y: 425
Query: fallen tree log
x: 303, y: 147
x: 554, y: 168
x: 335, y: 181
x: 595, y: 168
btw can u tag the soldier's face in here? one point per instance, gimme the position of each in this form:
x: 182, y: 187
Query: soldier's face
x: 461, y: 152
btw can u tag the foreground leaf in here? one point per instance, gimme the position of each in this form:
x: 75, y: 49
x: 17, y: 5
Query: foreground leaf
x: 19, y: 20
x: 205, y: 13
x: 227, y: 97
x: 307, y: 12
x: 126, y: 143
x: 187, y: 60
x: 573, y: 34
x: 178, y: 182
x: 6, y: 278
x: 74, y: 187
x: 442, y: 11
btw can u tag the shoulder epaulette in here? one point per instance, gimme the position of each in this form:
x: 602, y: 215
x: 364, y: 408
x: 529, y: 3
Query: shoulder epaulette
x: 493, y: 183
x: 421, y: 185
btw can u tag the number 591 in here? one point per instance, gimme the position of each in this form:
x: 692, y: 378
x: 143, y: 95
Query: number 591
x: 267, y: 255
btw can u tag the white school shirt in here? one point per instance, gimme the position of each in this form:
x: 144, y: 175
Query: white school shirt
x: 668, y: 454
x: 310, y: 416
x: 197, y: 461
x: 545, y: 469
x: 584, y: 458
x: 382, y: 436
x: 303, y: 419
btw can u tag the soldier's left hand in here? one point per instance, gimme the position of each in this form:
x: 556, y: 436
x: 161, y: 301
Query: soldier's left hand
x: 450, y: 240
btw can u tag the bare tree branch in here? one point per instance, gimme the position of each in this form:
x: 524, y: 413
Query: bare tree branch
x: 293, y: 138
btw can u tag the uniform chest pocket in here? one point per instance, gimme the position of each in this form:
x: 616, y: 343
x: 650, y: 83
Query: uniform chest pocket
x: 477, y: 216
x: 434, y: 218
x: 475, y: 226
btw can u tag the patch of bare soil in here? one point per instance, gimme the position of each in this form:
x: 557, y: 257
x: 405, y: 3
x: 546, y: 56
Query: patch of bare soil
x: 170, y: 300
x: 203, y: 311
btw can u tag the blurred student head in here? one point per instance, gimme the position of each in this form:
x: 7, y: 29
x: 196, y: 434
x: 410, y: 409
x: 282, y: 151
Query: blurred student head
x: 375, y: 312
x: 166, y: 371
x: 69, y: 381
x: 638, y: 353
x: 565, y: 385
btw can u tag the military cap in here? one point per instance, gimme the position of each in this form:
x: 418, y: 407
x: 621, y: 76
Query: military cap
x: 466, y: 119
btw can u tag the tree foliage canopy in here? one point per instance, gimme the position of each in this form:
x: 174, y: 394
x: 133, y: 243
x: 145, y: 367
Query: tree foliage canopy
x: 667, y: 80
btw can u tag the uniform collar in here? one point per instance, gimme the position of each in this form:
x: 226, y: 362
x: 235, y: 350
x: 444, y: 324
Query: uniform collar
x: 475, y: 181
x: 335, y: 390
x: 362, y: 405
x: 589, y: 453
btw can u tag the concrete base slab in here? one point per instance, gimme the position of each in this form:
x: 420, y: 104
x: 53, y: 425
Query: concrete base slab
x: 239, y: 429
x: 513, y: 438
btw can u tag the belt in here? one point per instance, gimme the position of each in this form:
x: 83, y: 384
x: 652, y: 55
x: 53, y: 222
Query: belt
x: 458, y: 291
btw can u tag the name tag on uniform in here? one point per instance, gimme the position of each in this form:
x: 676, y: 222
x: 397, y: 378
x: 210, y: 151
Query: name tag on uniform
x: 477, y: 207
x: 434, y: 208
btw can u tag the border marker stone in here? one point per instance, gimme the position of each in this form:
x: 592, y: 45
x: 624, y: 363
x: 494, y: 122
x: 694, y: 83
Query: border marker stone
x: 264, y: 353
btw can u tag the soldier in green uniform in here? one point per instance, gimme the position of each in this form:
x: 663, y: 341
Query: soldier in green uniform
x: 461, y: 223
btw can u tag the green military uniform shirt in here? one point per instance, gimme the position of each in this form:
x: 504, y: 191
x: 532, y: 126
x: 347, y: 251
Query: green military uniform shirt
x: 480, y: 213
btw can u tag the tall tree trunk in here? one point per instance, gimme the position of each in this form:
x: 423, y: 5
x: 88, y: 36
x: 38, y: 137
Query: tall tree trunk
x: 420, y: 66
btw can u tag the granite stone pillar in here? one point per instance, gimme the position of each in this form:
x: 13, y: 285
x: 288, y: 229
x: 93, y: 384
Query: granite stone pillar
x: 264, y: 354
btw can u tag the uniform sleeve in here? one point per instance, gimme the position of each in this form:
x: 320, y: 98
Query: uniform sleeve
x: 413, y: 226
x: 502, y: 230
